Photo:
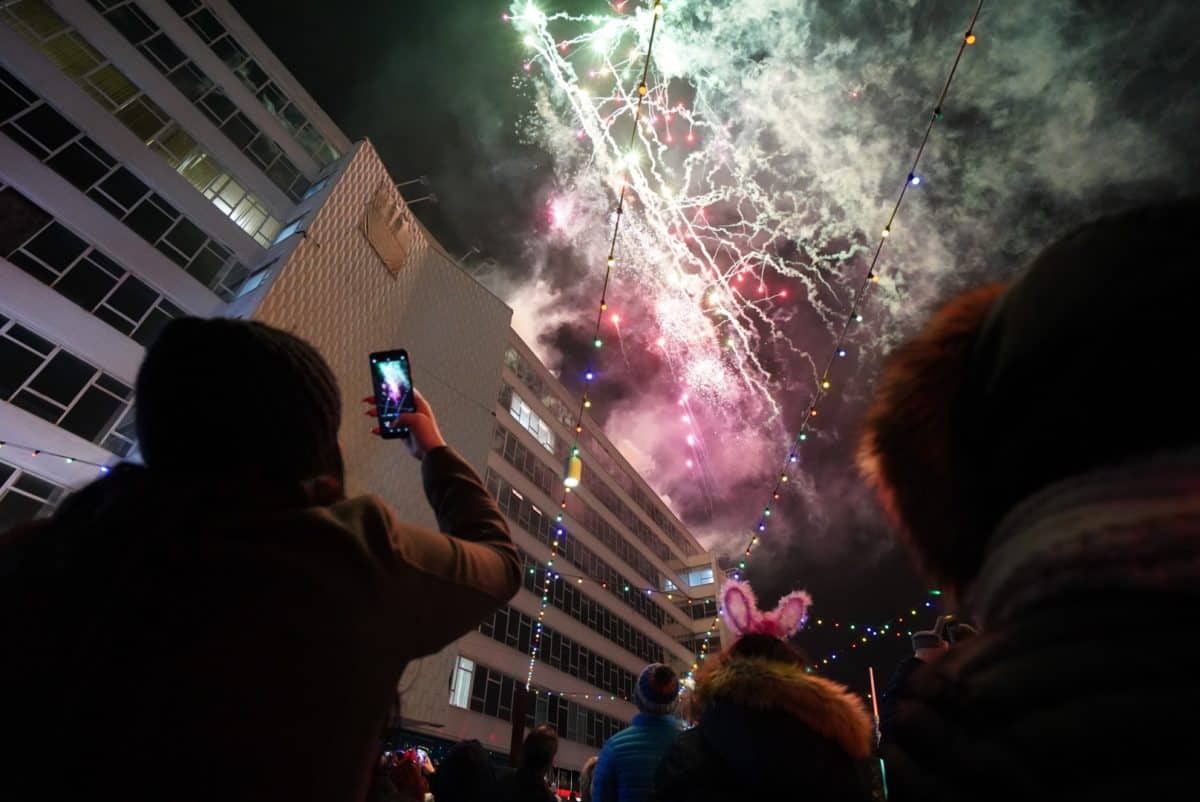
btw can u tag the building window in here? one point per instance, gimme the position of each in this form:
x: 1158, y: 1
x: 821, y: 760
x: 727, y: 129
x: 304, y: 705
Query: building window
x: 34, y: 241
x: 144, y: 34
x: 698, y: 576
x: 460, y: 682
x: 75, y: 57
x: 533, y: 424
x: 24, y: 496
x: 94, y: 172
x: 206, y: 25
x: 43, y: 379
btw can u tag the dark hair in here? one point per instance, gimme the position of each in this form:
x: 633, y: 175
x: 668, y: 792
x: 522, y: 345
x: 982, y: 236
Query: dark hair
x: 766, y: 647
x: 541, y: 745
x: 266, y: 395
x: 1001, y: 396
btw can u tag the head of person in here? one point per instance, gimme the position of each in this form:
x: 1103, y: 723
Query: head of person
x: 465, y: 773
x: 1076, y: 366
x: 541, y: 745
x: 766, y: 647
x: 585, y: 778
x: 225, y: 397
x: 657, y: 690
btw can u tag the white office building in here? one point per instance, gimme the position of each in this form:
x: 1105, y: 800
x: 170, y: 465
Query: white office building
x: 156, y: 160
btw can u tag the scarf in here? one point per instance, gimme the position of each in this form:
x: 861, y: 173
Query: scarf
x: 1132, y: 528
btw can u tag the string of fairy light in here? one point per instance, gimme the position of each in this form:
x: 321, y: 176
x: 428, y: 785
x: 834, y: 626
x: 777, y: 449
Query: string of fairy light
x: 854, y: 315
x: 574, y: 467
x: 44, y: 454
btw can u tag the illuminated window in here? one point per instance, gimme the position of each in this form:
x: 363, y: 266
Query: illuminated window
x: 699, y: 576
x: 532, y: 423
x: 460, y: 683
x: 39, y: 25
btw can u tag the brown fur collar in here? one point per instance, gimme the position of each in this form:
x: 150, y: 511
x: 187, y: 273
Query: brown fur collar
x: 826, y: 707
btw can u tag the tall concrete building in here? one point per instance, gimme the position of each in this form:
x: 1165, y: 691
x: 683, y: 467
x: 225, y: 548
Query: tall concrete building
x: 158, y: 161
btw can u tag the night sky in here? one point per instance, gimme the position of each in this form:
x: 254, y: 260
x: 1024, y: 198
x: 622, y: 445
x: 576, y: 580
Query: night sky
x: 806, y: 115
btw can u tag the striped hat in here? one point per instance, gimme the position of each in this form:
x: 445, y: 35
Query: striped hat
x: 657, y: 690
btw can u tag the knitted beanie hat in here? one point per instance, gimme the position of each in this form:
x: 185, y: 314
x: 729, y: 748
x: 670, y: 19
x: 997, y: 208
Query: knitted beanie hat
x: 657, y: 689
x: 226, y: 395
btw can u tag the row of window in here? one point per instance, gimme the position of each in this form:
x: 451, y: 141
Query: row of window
x: 34, y: 241
x: 702, y: 608
x: 508, y: 445
x: 595, y: 449
x: 144, y: 34
x: 34, y: 125
x: 40, y: 377
x: 204, y: 22
x: 589, y: 612
x: 492, y: 695
x: 516, y: 630
x: 599, y: 488
x: 76, y: 58
x: 529, y: 517
x: 24, y: 496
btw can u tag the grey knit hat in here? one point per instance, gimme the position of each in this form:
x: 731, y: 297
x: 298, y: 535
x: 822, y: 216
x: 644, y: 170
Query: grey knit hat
x: 238, y: 396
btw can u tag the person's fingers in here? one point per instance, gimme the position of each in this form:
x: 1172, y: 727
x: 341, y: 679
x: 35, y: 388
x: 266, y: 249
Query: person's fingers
x: 369, y: 399
x: 373, y: 412
x: 376, y: 430
x: 421, y: 404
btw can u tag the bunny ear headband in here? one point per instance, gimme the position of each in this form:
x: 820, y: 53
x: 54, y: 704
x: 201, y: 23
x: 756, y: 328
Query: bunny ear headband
x: 743, y: 616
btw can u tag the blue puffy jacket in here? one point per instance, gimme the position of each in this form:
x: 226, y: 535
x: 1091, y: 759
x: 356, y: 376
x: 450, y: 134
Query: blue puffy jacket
x: 629, y: 760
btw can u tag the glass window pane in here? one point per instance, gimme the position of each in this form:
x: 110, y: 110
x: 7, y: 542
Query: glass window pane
x: 16, y: 365
x: 131, y: 22
x: 46, y: 410
x: 85, y: 284
x: 217, y: 106
x: 116, y: 88
x: 118, y: 322
x: 183, y: 7
x: 266, y: 152
x: 27, y: 337
x: 186, y: 236
x: 163, y: 53
x: 94, y: 413
x: 293, y: 118
x: 143, y: 118
x: 251, y: 74
x: 201, y: 172
x: 57, y: 247
x: 132, y: 299
x: 33, y: 267
x: 272, y: 98
x: 206, y: 267
x: 47, y: 126
x: 205, y: 24
x: 239, y: 130
x: 39, y: 18
x: 20, y: 219
x: 148, y: 221
x: 16, y: 508
x: 36, y: 487
x: 190, y: 81
x: 229, y: 52
x: 114, y: 386
x: 63, y: 377
x: 124, y: 187
x: 78, y: 166
x: 72, y: 55
x: 151, y: 327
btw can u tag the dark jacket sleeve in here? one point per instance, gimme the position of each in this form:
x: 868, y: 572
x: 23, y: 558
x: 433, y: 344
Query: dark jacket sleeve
x: 891, y: 695
x: 454, y: 578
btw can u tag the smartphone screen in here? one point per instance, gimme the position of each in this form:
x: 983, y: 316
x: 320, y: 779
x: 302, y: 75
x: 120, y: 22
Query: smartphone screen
x: 391, y: 378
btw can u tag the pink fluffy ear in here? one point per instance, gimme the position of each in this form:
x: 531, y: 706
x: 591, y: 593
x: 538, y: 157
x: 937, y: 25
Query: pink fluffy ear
x: 792, y: 611
x: 739, y: 604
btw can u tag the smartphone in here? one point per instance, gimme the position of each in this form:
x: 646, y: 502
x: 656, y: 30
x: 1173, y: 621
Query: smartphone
x: 391, y: 378
x: 422, y: 756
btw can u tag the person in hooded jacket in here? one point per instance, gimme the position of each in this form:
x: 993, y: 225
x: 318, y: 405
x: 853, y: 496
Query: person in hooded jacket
x: 228, y: 607
x: 1039, y: 446
x: 767, y: 728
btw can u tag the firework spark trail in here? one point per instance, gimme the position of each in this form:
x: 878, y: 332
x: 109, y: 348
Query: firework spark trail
x: 713, y: 237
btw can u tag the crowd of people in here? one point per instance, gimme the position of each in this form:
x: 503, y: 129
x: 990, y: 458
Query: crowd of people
x: 227, y: 622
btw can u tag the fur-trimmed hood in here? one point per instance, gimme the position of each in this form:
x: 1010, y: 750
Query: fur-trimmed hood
x: 830, y: 710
